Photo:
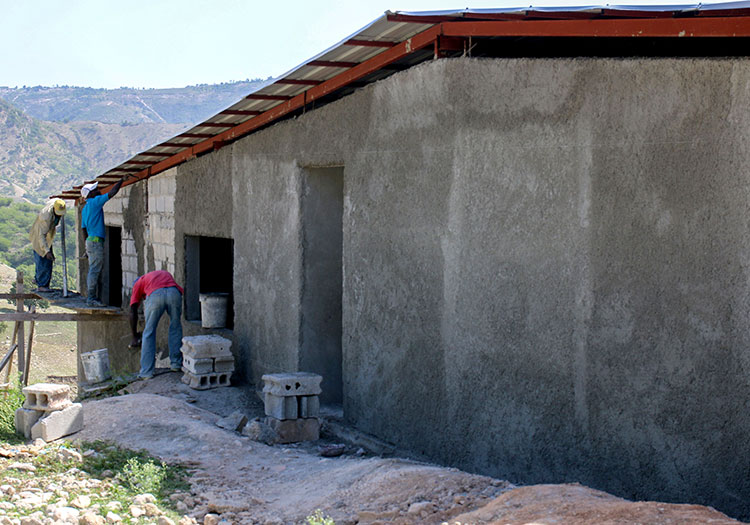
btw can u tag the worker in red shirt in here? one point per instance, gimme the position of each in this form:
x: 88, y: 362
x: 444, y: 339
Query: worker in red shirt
x: 161, y: 294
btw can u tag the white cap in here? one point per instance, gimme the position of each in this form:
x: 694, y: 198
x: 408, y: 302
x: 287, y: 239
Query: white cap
x: 88, y: 188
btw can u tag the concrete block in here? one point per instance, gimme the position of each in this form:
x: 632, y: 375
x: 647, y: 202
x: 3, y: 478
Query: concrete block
x: 58, y: 424
x: 295, y: 430
x: 197, y: 366
x: 292, y: 384
x: 224, y: 364
x: 25, y: 419
x: 46, y: 396
x: 280, y: 407
x: 205, y: 381
x: 201, y: 346
x: 308, y: 406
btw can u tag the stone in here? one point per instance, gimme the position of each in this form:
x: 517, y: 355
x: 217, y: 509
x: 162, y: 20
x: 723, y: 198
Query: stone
x: 66, y: 515
x: 224, y: 364
x: 60, y: 423
x: 419, y: 507
x: 163, y: 520
x: 46, y: 396
x: 26, y: 467
x: 69, y: 454
x: 202, y: 346
x: 197, y: 366
x: 142, y: 499
x: 114, y: 505
x: 211, y: 519
x: 28, y: 520
x: 25, y: 419
x: 137, y: 511
x: 152, y: 510
x: 185, y: 520
x: 235, y: 422
x: 261, y: 432
x: 292, y: 384
x: 280, y: 407
x: 81, y: 502
x: 113, y: 518
x: 206, y: 381
x: 295, y: 430
x: 91, y: 518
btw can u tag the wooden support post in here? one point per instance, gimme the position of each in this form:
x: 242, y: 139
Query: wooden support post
x: 28, y: 351
x: 19, y: 308
x: 64, y: 257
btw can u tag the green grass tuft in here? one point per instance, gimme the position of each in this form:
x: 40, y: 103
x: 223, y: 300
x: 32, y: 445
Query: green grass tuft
x: 10, y: 401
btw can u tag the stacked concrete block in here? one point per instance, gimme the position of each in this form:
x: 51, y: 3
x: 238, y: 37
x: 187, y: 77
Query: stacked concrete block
x: 48, y: 412
x: 292, y: 405
x: 207, y: 361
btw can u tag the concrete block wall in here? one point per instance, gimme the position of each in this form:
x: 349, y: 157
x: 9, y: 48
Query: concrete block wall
x: 161, y: 232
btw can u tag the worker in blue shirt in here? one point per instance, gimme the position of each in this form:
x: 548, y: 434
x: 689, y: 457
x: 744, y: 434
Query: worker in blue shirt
x: 92, y: 224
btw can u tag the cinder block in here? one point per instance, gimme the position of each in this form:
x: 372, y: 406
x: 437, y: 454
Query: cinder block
x: 46, y: 396
x: 205, y: 381
x: 202, y: 346
x: 292, y: 384
x: 197, y: 366
x: 309, y: 406
x: 58, y: 424
x: 280, y: 407
x: 25, y: 419
x: 295, y: 430
x: 224, y: 364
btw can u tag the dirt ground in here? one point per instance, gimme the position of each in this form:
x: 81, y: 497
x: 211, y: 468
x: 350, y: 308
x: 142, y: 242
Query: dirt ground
x: 249, y: 482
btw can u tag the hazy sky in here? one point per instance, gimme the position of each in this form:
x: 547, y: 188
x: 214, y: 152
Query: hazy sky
x: 170, y: 43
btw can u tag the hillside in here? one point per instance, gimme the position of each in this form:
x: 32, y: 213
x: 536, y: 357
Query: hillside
x: 186, y: 105
x: 38, y: 158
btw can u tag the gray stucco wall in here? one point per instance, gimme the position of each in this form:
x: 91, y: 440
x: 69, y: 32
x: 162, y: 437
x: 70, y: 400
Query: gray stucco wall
x: 545, y: 266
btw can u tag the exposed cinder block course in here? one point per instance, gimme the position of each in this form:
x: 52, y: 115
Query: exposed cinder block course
x: 25, y: 419
x: 292, y: 384
x: 281, y: 407
x: 197, y: 366
x: 204, y: 346
x: 205, y: 381
x: 59, y: 423
x: 46, y: 396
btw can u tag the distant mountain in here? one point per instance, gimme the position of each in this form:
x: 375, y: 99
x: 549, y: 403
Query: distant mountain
x: 187, y: 105
x: 39, y: 158
x: 52, y: 138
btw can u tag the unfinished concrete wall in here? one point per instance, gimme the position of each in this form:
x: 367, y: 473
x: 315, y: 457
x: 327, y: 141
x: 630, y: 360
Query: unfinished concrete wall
x: 544, y: 267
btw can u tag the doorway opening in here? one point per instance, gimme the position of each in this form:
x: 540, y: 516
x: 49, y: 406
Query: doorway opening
x: 209, y: 268
x: 322, y: 274
x: 112, y: 271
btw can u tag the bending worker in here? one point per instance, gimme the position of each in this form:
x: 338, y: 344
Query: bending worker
x: 161, y: 293
x: 41, y: 235
x: 92, y: 224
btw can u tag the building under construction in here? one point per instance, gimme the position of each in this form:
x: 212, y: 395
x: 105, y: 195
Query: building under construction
x: 515, y: 240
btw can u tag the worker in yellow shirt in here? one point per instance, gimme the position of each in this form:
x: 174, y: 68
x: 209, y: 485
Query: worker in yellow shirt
x: 41, y: 235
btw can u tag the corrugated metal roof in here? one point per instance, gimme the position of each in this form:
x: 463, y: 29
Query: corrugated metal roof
x: 384, y: 33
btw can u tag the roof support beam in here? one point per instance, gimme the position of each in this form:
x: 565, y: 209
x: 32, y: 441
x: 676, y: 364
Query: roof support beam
x: 738, y: 26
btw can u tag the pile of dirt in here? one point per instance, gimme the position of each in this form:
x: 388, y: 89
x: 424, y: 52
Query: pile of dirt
x: 248, y: 482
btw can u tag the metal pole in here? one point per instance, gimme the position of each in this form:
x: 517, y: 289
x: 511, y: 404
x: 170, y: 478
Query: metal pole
x: 64, y: 258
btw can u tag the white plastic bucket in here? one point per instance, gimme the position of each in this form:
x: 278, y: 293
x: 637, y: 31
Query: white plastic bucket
x: 214, y: 309
x: 96, y: 365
